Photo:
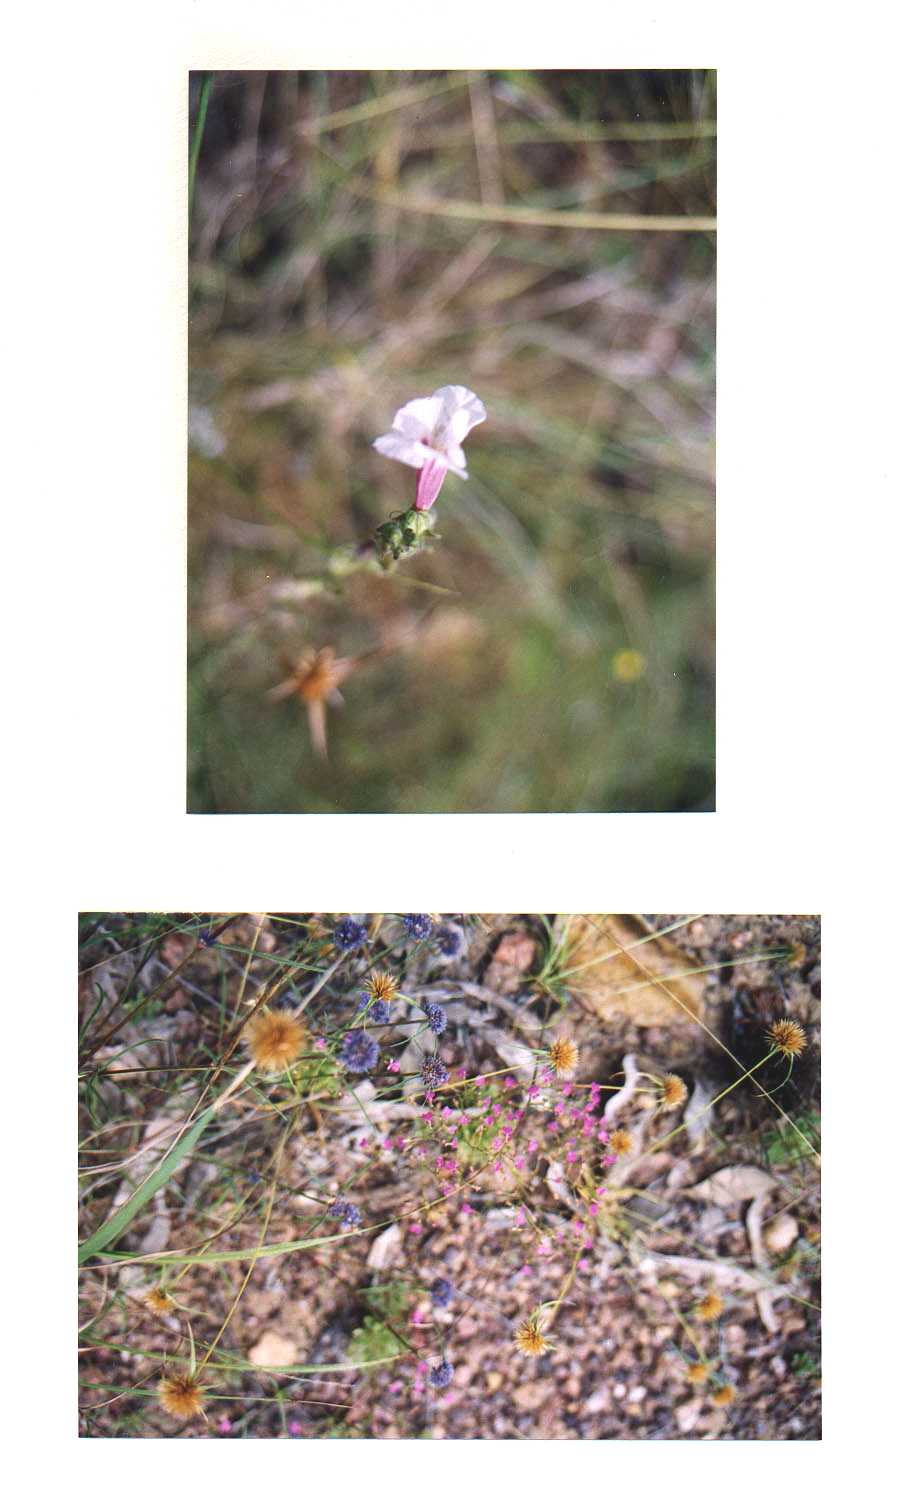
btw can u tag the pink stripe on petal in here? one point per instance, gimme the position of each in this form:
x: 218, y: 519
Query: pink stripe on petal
x: 431, y: 476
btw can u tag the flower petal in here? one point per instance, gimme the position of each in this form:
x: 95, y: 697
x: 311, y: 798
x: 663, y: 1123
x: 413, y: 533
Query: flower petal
x: 461, y: 410
x: 431, y: 477
x: 404, y: 449
x: 418, y: 419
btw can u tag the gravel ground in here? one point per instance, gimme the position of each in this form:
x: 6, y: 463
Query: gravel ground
x: 626, y: 1331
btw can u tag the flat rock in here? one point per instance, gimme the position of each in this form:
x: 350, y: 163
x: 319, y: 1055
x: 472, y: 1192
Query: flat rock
x: 274, y: 1349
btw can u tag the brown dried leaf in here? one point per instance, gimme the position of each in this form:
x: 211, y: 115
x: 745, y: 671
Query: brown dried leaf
x: 733, y: 1185
x: 618, y: 977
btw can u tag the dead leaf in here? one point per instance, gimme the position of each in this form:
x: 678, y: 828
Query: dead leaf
x: 611, y: 970
x: 385, y: 1248
x: 781, y: 1233
x: 733, y: 1185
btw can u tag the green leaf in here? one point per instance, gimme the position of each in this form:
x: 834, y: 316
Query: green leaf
x: 120, y: 1220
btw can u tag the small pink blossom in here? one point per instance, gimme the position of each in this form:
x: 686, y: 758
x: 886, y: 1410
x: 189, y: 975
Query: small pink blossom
x: 294, y: 1429
x: 225, y: 1426
x: 415, y: 1228
x: 428, y: 434
x: 525, y: 1271
x: 320, y: 1044
x: 466, y: 1208
x: 393, y: 1066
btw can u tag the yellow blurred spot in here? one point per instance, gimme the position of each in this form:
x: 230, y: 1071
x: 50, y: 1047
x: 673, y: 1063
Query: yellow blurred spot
x: 628, y: 665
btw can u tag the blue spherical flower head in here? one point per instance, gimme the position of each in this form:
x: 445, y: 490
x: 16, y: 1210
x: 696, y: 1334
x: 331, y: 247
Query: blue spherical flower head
x: 433, y: 1072
x: 348, y: 1213
x: 360, y: 1052
x: 418, y: 925
x: 348, y: 935
x: 448, y: 941
x: 376, y: 1010
x: 442, y: 1292
x: 442, y: 1375
x: 436, y: 1017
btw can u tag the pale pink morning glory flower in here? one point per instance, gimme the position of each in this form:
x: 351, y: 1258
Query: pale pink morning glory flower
x: 428, y: 434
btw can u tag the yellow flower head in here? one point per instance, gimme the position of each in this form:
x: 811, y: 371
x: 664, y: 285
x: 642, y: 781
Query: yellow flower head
x: 621, y: 1142
x: 697, y: 1373
x: 159, y: 1302
x: 529, y: 1339
x: 275, y: 1038
x: 723, y: 1396
x: 181, y: 1396
x: 710, y: 1308
x: 564, y: 1056
x: 628, y: 665
x: 381, y: 986
x: 673, y: 1092
x: 788, y: 1037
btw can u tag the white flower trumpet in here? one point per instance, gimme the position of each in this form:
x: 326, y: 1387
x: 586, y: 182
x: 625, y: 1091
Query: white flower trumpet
x: 428, y: 434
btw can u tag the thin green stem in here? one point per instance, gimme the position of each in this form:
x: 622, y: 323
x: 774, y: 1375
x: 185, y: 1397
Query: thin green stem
x: 205, y: 90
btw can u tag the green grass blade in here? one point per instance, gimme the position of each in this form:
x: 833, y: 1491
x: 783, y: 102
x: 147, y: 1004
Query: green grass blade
x: 120, y: 1220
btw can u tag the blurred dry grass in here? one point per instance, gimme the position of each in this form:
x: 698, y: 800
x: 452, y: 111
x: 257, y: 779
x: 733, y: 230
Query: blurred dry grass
x: 322, y: 296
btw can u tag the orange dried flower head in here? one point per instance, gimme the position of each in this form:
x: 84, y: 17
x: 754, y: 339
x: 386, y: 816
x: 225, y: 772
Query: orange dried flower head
x: 563, y: 1056
x: 381, y: 986
x: 275, y: 1038
x: 159, y: 1302
x: 710, y: 1308
x: 724, y: 1395
x: 697, y: 1373
x: 673, y: 1091
x: 621, y: 1142
x: 181, y: 1396
x: 529, y: 1339
x: 788, y: 1037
